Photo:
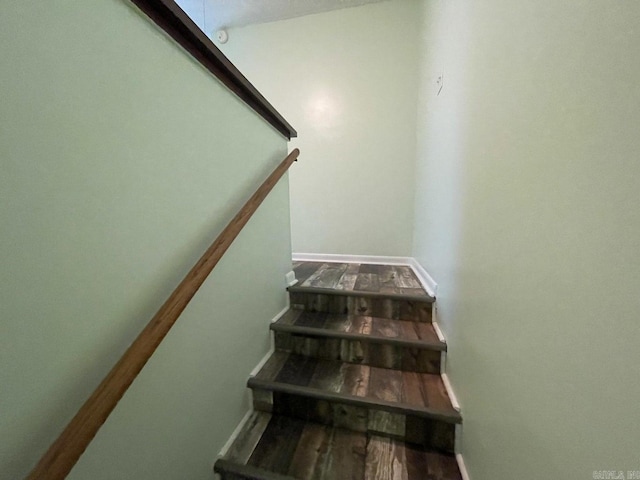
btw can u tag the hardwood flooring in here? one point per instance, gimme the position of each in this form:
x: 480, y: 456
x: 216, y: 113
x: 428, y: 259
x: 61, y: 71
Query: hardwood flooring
x: 378, y: 342
x: 353, y: 390
x: 381, y: 330
x: 359, y: 278
x: 293, y: 449
x: 398, y: 391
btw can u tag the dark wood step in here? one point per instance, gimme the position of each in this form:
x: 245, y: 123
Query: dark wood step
x: 382, y: 306
x: 361, y: 289
x: 379, y: 342
x: 397, y: 294
x: 358, y: 327
x: 421, y: 394
x: 365, y: 279
x: 283, y: 448
x: 407, y: 405
x: 229, y: 470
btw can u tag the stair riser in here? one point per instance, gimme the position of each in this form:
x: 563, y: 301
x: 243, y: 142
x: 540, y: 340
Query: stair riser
x: 360, y: 305
x: 232, y: 476
x: 291, y: 449
x: 266, y: 476
x: 362, y: 352
x: 226, y: 472
x: 430, y: 433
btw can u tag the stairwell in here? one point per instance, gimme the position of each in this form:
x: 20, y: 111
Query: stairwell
x: 353, y: 389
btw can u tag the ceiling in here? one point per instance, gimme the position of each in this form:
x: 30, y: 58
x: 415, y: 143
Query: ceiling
x: 211, y: 15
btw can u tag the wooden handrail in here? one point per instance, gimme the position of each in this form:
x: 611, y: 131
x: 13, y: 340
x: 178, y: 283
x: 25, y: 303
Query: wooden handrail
x: 63, y: 454
x: 177, y: 24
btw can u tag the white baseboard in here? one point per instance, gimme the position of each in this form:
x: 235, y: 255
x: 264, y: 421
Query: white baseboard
x: 439, y: 333
x: 462, y: 467
x: 253, y: 373
x: 452, y: 396
x: 338, y: 258
x: 272, y: 347
x: 426, y: 280
x: 290, y: 278
x: 445, y: 377
x: 234, y: 435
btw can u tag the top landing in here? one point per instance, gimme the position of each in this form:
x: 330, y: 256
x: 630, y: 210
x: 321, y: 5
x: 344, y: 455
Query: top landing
x: 362, y: 279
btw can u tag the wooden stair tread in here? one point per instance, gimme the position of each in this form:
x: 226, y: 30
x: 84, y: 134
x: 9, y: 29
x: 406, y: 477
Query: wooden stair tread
x: 353, y: 390
x: 288, y: 448
x: 366, y: 280
x: 355, y: 327
x: 411, y: 393
x: 401, y: 294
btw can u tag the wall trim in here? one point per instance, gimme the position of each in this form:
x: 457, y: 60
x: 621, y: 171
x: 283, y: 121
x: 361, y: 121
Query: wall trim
x: 445, y: 378
x: 245, y: 419
x: 272, y: 346
x: 225, y: 448
x: 462, y: 467
x: 339, y: 258
x: 439, y: 333
x: 290, y: 278
x: 426, y: 280
x: 452, y: 396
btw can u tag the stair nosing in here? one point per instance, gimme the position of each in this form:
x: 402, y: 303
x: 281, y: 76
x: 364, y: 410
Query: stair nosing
x: 223, y: 465
x: 395, y: 407
x: 323, y: 332
x: 360, y: 293
x: 226, y: 464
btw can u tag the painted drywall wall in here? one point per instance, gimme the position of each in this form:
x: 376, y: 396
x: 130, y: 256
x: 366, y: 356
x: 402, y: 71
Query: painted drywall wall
x: 122, y: 159
x: 527, y: 217
x: 348, y: 81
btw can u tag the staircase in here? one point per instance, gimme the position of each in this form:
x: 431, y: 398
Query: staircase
x: 353, y: 390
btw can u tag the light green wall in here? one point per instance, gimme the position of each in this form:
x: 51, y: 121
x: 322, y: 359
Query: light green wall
x: 527, y: 216
x: 121, y: 160
x: 347, y: 80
